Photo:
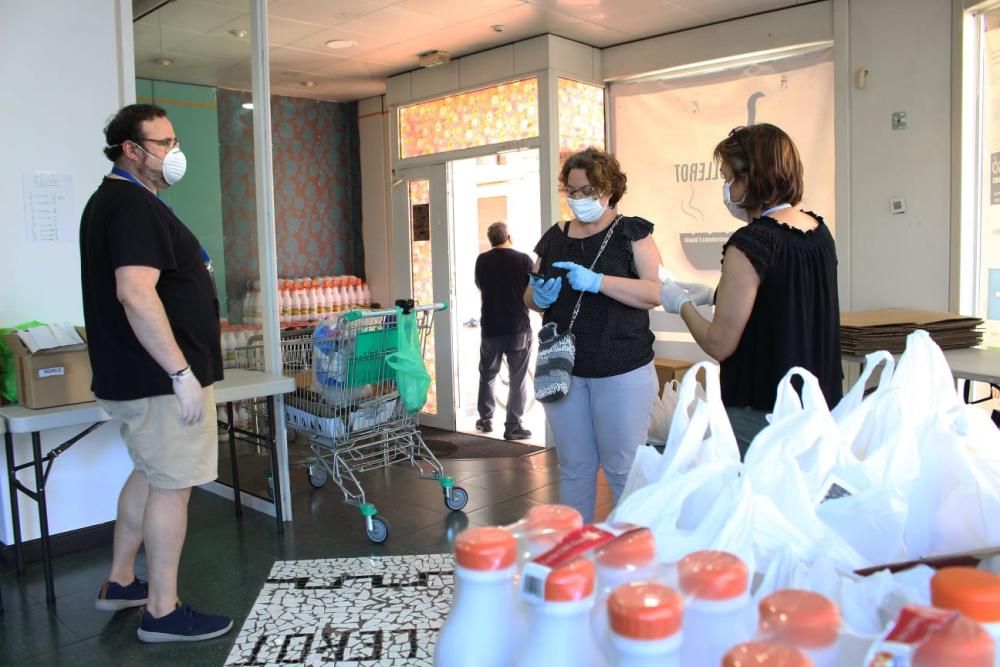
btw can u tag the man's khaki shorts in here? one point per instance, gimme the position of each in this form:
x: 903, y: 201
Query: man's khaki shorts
x: 171, y: 454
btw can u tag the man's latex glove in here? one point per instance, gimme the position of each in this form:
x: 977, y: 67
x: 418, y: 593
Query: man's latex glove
x: 673, y: 296
x: 545, y: 292
x: 581, y: 278
x: 189, y: 395
x: 701, y: 295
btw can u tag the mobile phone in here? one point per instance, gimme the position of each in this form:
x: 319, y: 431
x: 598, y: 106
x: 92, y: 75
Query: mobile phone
x: 537, y: 276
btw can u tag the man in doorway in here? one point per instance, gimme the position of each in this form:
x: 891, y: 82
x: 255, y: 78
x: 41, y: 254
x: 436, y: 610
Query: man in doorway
x: 502, y: 277
x: 152, y: 319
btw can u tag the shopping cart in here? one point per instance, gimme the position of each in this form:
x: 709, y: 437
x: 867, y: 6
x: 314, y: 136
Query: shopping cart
x: 347, y: 403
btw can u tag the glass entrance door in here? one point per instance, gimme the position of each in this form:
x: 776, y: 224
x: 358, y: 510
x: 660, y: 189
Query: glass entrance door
x: 421, y: 242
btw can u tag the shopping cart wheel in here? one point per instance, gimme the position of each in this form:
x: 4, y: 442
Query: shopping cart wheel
x: 317, y: 476
x: 459, y: 498
x: 379, y: 532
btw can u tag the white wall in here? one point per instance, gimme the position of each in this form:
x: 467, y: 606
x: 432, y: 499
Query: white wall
x: 64, y: 77
x: 900, y: 260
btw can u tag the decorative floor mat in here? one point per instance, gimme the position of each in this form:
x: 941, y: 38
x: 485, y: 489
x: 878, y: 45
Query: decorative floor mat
x: 348, y: 612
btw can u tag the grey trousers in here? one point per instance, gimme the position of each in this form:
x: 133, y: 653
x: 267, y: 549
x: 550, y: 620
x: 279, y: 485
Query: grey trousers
x: 601, y: 422
x: 517, y: 349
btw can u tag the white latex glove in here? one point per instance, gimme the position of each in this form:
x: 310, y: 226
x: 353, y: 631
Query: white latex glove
x: 187, y: 389
x: 673, y: 296
x: 701, y: 295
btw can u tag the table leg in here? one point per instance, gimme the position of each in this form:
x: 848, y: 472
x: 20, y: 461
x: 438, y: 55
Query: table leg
x: 231, y: 429
x: 275, y: 475
x: 15, y: 513
x: 43, y: 518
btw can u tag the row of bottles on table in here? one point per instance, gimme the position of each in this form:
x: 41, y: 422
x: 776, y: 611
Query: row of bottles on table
x: 304, y: 300
x: 614, y: 604
x: 237, y: 340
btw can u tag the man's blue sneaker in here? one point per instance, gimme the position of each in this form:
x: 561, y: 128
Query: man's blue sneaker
x: 115, y: 597
x: 183, y: 624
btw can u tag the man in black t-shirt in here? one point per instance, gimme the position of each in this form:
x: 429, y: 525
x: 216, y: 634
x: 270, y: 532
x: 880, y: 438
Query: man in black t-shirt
x: 502, y: 277
x: 152, y: 320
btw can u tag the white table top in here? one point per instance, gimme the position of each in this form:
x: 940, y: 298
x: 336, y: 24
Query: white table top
x: 974, y: 363
x: 239, y: 384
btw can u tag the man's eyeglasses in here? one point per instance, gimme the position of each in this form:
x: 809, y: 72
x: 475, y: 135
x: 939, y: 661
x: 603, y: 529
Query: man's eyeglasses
x: 168, y: 143
x: 585, y: 192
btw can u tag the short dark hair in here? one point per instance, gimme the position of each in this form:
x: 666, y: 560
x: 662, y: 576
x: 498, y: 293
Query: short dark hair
x: 497, y: 233
x: 603, y: 172
x: 768, y: 158
x: 126, y: 125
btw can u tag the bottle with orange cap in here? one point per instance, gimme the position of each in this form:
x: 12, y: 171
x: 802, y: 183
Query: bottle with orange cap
x: 558, y: 632
x: 717, y: 610
x: 804, y: 619
x: 931, y: 637
x: 645, y: 623
x: 629, y: 557
x: 975, y: 593
x: 482, y: 627
x: 765, y: 654
x: 542, y: 528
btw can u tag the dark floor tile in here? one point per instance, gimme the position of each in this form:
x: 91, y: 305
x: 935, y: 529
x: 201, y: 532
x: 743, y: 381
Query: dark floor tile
x: 77, y: 612
x: 72, y: 573
x: 124, y: 648
x: 503, y: 513
x: 507, y: 484
x: 74, y: 655
x: 436, y: 539
x: 31, y: 631
x: 550, y: 494
x: 211, y: 566
x: 15, y: 594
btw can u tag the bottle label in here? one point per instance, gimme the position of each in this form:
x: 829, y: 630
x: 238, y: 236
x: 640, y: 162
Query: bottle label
x: 913, y: 627
x: 575, y: 544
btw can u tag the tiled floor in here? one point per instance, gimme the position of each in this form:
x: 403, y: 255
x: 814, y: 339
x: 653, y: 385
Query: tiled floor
x: 225, y: 561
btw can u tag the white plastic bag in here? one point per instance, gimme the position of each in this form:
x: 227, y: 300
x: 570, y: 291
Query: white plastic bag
x: 662, y: 413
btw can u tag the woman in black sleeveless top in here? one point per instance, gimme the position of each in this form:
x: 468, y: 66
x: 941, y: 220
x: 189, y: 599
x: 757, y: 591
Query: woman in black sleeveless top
x: 611, y: 381
x: 776, y: 305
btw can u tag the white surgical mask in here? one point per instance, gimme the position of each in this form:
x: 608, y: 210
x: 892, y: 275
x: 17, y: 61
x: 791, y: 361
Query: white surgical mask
x: 734, y: 207
x: 587, y: 210
x: 173, y: 164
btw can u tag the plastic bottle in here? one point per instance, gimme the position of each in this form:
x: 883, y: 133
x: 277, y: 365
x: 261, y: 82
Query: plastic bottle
x: 931, y: 637
x: 645, y: 621
x: 357, y: 298
x: 765, y: 654
x: 628, y: 557
x: 481, y: 627
x: 544, y: 526
x: 803, y: 619
x: 366, y: 295
x: 336, y: 298
x: 284, y: 302
x: 327, y: 298
x: 315, y: 301
x: 341, y: 295
x: 558, y: 633
x: 718, y: 613
x: 975, y: 593
x: 298, y: 302
x: 255, y: 315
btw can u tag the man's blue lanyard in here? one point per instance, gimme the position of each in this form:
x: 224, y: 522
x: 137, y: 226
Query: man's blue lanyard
x: 129, y: 177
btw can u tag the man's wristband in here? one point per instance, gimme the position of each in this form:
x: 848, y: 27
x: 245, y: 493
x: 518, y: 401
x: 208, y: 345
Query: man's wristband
x: 182, y: 373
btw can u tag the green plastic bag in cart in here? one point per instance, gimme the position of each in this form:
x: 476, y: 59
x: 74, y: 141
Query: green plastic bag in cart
x: 412, y: 378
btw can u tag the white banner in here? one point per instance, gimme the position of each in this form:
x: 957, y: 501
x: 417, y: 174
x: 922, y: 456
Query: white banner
x: 664, y: 132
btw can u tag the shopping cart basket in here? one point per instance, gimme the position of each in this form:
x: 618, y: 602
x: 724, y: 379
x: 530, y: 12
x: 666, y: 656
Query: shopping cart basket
x: 347, y: 402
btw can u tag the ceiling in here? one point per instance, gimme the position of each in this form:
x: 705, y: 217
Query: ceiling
x: 204, y: 42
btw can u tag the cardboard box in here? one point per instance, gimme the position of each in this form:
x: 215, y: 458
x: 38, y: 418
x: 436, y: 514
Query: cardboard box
x: 670, y: 369
x: 51, y: 377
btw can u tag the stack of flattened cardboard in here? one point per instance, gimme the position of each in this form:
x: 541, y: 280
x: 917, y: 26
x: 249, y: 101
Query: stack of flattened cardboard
x: 887, y: 328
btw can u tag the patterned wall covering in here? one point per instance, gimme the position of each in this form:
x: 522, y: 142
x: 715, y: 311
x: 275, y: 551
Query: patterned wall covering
x: 488, y: 116
x: 423, y: 276
x: 581, y: 122
x: 317, y: 188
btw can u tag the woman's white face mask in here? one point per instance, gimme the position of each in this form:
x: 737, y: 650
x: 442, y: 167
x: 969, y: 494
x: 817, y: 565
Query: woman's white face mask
x: 735, y: 208
x: 587, y: 210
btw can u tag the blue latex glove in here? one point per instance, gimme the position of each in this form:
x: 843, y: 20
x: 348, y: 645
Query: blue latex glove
x: 545, y: 292
x: 673, y: 296
x: 581, y: 278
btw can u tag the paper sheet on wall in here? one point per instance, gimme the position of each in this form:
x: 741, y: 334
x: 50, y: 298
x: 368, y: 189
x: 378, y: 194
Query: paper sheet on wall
x: 49, y: 207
